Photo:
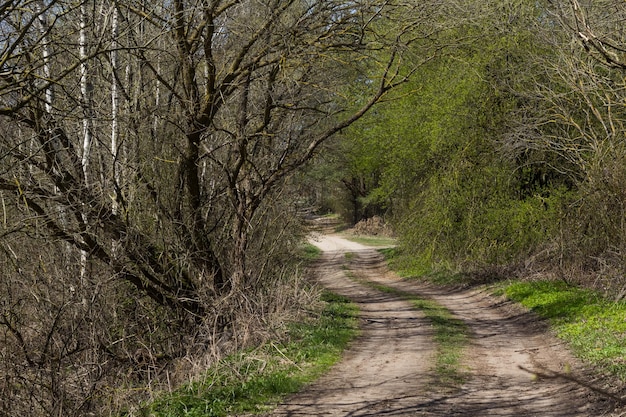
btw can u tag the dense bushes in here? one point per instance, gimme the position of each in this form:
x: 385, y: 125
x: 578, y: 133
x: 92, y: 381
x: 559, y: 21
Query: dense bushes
x: 508, y: 149
x: 80, y: 346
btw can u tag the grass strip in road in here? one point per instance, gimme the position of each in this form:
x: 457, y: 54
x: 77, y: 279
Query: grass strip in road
x: 247, y: 382
x: 451, y: 335
x: 593, y: 326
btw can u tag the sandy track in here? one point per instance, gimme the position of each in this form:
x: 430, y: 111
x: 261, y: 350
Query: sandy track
x: 388, y: 369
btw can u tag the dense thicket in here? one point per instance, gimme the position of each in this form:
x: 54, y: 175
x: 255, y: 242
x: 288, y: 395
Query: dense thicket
x: 508, y: 147
x: 145, y: 156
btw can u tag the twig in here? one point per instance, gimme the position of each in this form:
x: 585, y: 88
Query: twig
x: 556, y: 375
x: 284, y: 356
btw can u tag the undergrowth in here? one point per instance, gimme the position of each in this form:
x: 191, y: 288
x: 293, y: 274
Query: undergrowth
x: 255, y: 380
x: 407, y: 266
x: 593, y: 326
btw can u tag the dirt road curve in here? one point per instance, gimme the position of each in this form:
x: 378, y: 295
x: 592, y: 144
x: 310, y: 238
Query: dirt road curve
x: 388, y: 371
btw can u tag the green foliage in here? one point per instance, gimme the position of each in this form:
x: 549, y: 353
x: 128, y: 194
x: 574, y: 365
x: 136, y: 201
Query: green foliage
x: 414, y: 132
x: 424, y: 149
x: 478, y: 221
x: 437, y: 158
x: 592, y: 325
x: 254, y: 380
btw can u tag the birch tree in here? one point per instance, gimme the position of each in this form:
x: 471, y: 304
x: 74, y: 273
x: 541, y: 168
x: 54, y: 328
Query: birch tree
x: 156, y: 140
x: 244, y: 93
x: 86, y: 91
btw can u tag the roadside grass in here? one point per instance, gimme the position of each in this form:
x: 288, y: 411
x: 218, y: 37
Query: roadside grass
x: 381, y: 241
x: 593, y: 326
x: 309, y: 252
x: 254, y: 381
x: 410, y: 268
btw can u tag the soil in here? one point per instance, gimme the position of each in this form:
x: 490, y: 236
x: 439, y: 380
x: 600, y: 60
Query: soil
x: 513, y: 365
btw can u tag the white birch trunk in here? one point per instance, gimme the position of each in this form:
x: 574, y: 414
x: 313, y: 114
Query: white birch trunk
x: 86, y: 92
x: 114, y: 106
x: 157, y: 101
x: 49, y: 96
x: 47, y: 73
x: 85, y: 89
x: 115, y: 103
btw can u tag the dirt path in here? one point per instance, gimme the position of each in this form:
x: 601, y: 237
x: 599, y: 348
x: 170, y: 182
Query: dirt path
x: 388, y: 370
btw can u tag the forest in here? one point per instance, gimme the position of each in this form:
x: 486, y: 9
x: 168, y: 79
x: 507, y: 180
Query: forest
x: 156, y: 159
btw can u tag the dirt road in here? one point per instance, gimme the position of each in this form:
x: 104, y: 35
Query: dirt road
x: 388, y: 371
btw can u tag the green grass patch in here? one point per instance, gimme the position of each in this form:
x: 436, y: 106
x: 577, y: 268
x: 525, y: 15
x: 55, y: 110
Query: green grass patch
x: 309, y: 252
x: 372, y: 240
x: 407, y: 267
x: 255, y: 380
x: 594, y: 327
x: 451, y: 336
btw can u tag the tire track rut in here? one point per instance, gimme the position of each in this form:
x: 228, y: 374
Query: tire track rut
x: 388, y: 370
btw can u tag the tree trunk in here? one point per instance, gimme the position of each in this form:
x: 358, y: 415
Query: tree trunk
x: 114, y: 107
